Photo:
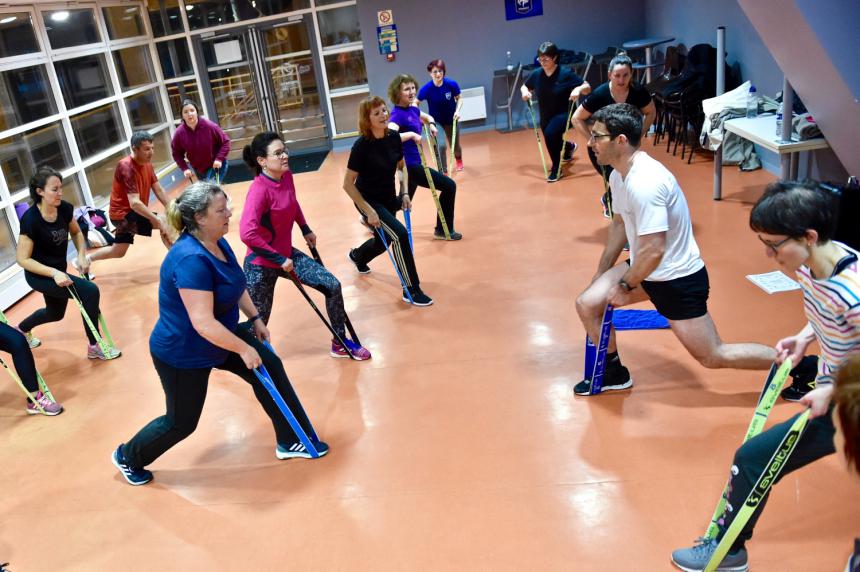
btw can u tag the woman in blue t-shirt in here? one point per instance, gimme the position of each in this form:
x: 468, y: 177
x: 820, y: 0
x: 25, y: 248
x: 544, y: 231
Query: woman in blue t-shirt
x: 201, y: 290
x: 443, y: 101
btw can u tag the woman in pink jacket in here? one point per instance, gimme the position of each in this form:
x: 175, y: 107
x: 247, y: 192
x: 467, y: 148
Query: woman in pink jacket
x: 199, y: 146
x: 271, y: 209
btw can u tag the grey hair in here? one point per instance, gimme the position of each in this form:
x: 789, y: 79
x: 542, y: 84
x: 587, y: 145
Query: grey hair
x: 194, y: 200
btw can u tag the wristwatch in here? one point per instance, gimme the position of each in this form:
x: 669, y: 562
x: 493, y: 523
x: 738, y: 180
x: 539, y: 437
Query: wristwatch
x: 625, y: 286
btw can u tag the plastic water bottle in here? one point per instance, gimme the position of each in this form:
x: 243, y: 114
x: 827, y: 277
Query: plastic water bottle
x: 779, y: 123
x: 510, y: 63
x: 752, y: 103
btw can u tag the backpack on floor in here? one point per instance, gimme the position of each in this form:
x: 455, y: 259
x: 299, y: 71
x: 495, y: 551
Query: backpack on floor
x: 95, y: 225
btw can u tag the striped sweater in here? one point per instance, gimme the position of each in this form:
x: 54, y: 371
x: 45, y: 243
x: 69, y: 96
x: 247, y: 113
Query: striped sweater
x: 832, y: 307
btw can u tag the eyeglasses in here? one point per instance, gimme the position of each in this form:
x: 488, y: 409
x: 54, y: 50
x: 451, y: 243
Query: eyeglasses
x: 774, y: 246
x: 544, y: 58
x: 597, y: 135
x: 280, y: 153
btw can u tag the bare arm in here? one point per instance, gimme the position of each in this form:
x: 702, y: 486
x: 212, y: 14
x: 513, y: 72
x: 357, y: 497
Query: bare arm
x: 355, y: 195
x: 143, y: 210
x: 650, y: 249
x: 160, y: 194
x: 650, y: 112
x: 582, y: 89
x: 580, y: 119
x: 24, y: 257
x: 614, y: 245
x: 198, y: 304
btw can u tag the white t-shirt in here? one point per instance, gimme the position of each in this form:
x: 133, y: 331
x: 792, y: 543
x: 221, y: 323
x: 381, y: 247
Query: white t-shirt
x: 650, y: 200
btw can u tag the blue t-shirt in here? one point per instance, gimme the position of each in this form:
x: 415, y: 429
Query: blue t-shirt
x: 408, y: 119
x: 441, y: 100
x: 189, y: 265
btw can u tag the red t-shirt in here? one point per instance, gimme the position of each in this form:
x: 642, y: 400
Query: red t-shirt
x: 130, y: 177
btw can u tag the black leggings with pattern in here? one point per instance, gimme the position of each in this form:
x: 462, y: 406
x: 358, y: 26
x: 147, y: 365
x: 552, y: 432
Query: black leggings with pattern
x: 261, y: 287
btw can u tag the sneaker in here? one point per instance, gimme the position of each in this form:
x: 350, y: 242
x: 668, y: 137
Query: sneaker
x: 440, y: 235
x: 361, y: 267
x: 77, y: 268
x: 695, y: 559
x: 554, y: 176
x: 297, y: 450
x: 134, y: 475
x: 49, y: 407
x: 419, y: 298
x: 32, y: 340
x: 568, y: 153
x: 95, y: 352
x: 459, y: 164
x: 358, y: 352
x: 803, y: 379
x: 615, y: 378
x: 604, y: 202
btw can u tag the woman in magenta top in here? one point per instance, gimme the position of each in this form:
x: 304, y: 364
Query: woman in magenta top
x: 199, y: 146
x: 271, y: 209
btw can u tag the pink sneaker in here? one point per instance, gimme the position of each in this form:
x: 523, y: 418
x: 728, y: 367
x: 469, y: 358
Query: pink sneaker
x: 95, y: 352
x: 49, y: 407
x: 360, y: 353
x: 459, y: 164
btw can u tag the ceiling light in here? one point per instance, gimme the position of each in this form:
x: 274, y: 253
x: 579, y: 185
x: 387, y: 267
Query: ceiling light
x: 8, y: 19
x: 60, y: 16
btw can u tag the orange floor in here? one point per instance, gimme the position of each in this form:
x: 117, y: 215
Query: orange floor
x: 459, y: 446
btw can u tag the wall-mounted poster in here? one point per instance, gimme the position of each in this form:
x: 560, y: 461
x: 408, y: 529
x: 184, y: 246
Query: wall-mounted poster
x: 516, y: 9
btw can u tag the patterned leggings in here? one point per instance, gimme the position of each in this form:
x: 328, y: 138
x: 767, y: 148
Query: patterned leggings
x: 261, y: 287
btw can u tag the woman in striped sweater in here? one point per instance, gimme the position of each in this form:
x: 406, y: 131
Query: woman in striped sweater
x: 795, y: 222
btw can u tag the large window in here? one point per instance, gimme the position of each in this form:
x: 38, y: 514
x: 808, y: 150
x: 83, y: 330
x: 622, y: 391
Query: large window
x: 83, y: 80
x: 123, y: 22
x: 174, y: 58
x: 339, y: 26
x: 144, y: 110
x: 206, y: 13
x: 20, y: 154
x: 165, y: 17
x: 100, y: 176
x: 17, y: 36
x: 134, y: 67
x: 67, y: 28
x: 25, y: 96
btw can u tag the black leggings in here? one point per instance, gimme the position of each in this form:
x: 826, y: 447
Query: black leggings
x: 56, y: 300
x: 752, y: 458
x: 399, y: 241
x: 14, y: 342
x: 262, y: 279
x: 185, y: 392
x: 553, y: 134
x: 447, y: 192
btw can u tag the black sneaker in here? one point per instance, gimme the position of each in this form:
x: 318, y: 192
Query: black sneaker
x: 419, y: 298
x: 803, y: 379
x: 569, y: 150
x: 134, y: 475
x: 554, y: 175
x: 361, y: 267
x: 298, y: 451
x: 440, y: 235
x: 615, y: 378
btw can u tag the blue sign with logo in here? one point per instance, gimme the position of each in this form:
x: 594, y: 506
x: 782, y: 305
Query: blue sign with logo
x: 516, y: 9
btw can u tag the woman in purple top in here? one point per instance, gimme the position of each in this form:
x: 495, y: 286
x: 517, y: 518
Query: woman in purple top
x: 443, y: 101
x: 407, y: 119
x: 199, y: 146
x: 271, y: 209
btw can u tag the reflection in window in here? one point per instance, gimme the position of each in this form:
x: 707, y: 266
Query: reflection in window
x: 161, y: 157
x: 144, y: 109
x: 97, y: 129
x: 67, y: 28
x: 8, y: 246
x: 339, y: 26
x: 134, y: 66
x: 83, y: 80
x: 205, y: 13
x: 346, y: 112
x: 174, y: 58
x: 17, y: 36
x: 165, y: 17
x: 179, y: 91
x: 287, y: 39
x: 100, y: 177
x: 345, y: 69
x: 25, y: 96
x: 22, y: 153
x: 123, y: 22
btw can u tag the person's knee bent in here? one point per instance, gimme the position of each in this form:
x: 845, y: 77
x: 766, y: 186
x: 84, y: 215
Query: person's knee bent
x: 17, y: 344
x: 587, y: 305
x: 710, y: 359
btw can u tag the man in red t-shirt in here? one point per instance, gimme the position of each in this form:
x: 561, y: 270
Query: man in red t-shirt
x: 133, y: 180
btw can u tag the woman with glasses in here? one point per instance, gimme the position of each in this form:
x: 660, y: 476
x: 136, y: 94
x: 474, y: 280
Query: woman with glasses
x: 619, y: 89
x: 271, y: 209
x: 796, y: 222
x: 200, y: 147
x: 555, y: 86
x: 443, y: 102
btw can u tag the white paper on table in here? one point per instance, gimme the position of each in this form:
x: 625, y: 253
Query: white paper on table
x: 772, y: 282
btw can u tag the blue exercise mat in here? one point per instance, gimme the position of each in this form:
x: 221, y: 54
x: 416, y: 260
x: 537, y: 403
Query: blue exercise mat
x: 639, y: 320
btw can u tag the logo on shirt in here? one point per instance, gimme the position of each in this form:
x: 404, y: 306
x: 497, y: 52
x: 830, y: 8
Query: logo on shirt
x: 448, y: 95
x: 57, y: 236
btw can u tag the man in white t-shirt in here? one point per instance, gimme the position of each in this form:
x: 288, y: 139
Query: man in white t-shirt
x: 651, y: 215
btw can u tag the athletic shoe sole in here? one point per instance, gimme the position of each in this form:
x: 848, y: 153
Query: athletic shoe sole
x: 419, y: 304
x: 605, y: 388
x: 297, y: 455
x: 35, y: 411
x: 743, y: 568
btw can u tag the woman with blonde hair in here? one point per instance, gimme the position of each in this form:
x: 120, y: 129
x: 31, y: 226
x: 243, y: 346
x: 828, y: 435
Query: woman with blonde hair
x: 201, y: 291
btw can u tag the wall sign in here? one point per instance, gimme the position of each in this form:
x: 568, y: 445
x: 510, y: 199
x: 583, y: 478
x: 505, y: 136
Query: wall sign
x: 516, y: 9
x: 387, y: 37
x: 384, y: 17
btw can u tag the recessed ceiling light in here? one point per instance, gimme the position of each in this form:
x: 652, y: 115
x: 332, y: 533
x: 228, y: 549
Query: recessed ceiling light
x: 60, y: 16
x: 130, y: 10
x: 189, y: 7
x: 8, y: 19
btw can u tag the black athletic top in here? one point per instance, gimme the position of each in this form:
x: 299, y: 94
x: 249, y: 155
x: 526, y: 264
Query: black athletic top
x: 50, y: 239
x: 637, y: 96
x: 553, y: 91
x: 375, y: 161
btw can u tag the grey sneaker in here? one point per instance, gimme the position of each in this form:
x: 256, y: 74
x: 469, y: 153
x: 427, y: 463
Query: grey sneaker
x: 695, y: 558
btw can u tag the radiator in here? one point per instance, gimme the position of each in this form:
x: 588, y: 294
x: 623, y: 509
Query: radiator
x: 474, y: 104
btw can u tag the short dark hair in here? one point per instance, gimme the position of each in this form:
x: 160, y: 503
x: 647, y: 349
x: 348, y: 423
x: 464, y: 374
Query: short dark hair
x: 621, y: 119
x: 139, y: 137
x: 548, y: 49
x: 40, y: 179
x: 259, y: 147
x: 188, y: 101
x: 791, y: 208
x: 437, y: 64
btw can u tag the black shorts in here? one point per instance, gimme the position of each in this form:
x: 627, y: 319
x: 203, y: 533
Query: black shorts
x: 131, y: 225
x: 683, y: 298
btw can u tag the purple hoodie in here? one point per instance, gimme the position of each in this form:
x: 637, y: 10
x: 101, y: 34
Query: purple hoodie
x: 201, y: 146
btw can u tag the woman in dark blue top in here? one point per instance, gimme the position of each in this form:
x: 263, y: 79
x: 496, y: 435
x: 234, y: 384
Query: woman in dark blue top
x: 443, y: 102
x: 201, y: 290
